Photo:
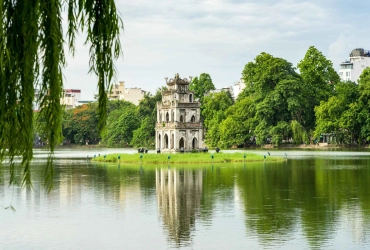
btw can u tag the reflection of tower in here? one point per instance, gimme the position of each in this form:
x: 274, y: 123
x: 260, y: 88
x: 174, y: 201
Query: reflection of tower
x: 179, y: 194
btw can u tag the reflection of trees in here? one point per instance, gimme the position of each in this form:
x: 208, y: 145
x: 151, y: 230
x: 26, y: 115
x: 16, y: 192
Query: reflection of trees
x: 280, y: 200
x: 311, y: 194
x: 269, y: 200
x: 179, y: 195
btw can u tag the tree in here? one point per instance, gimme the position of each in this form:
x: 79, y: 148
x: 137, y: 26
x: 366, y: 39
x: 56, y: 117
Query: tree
x: 339, y: 114
x: 201, y: 86
x: 364, y: 104
x: 238, y: 127
x: 319, y: 78
x: 121, y: 124
x: 144, y: 136
x: 32, y: 53
x: 80, y: 124
x: 262, y: 75
x: 214, y: 107
x: 278, y: 94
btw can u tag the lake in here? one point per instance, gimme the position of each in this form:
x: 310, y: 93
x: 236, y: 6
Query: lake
x: 315, y: 199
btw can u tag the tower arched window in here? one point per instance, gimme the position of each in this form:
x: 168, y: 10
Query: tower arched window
x: 193, y: 118
x: 181, y: 118
x: 190, y: 98
x: 167, y: 117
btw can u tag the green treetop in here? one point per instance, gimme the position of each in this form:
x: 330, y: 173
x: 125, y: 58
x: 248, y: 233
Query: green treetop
x: 201, y: 86
x: 319, y: 78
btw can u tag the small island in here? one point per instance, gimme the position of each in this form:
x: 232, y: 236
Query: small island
x: 185, y: 158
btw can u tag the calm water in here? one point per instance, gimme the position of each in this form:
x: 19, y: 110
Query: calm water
x: 316, y: 199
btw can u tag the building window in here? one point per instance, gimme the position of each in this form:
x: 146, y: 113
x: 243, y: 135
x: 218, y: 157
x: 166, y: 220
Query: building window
x: 192, y: 119
x: 167, y: 117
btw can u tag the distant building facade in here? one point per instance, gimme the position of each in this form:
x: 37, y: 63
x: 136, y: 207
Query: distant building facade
x: 71, y: 98
x: 225, y: 89
x: 359, y: 59
x: 178, y: 118
x: 238, y: 88
x: 120, y: 92
x: 117, y: 91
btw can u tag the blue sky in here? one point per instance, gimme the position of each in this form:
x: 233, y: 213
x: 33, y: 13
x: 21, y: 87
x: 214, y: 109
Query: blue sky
x: 161, y: 38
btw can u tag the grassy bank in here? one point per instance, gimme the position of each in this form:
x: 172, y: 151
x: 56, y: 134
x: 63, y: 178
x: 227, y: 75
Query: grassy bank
x: 185, y: 158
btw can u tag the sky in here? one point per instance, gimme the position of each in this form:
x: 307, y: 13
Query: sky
x: 163, y: 37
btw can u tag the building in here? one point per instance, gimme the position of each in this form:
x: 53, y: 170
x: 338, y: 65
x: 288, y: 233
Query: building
x: 117, y: 91
x: 178, y: 118
x: 359, y: 59
x: 71, y: 98
x: 238, y: 88
x: 120, y: 92
x: 133, y: 95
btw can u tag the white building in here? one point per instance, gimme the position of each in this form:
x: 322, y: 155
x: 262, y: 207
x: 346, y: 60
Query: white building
x: 178, y: 118
x: 71, y: 98
x: 358, y: 61
x: 117, y: 91
x: 120, y: 92
x: 238, y: 88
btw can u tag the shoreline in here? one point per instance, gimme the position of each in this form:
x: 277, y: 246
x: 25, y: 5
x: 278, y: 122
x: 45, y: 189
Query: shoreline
x: 266, y: 146
x: 184, y: 158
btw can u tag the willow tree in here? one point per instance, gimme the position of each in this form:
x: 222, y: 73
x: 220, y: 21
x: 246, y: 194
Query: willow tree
x: 32, y: 54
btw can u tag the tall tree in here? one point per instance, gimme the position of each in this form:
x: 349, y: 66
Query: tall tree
x: 201, y: 86
x: 31, y: 53
x: 278, y: 94
x: 319, y: 77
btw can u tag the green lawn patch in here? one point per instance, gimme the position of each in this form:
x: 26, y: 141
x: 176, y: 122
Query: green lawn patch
x: 185, y: 158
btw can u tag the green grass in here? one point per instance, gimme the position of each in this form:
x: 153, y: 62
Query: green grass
x: 185, y: 158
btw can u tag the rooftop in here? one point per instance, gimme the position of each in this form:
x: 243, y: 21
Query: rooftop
x: 360, y: 52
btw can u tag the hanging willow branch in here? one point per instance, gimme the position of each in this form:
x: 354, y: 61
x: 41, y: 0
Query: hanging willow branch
x: 32, y: 55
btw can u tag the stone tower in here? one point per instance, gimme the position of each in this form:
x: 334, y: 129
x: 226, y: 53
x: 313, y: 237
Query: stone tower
x: 178, y: 118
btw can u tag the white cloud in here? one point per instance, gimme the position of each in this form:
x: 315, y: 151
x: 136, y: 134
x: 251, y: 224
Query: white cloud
x: 189, y: 37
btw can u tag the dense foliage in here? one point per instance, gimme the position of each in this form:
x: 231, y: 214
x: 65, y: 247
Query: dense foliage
x: 280, y: 105
x: 201, y: 85
x: 127, y: 124
x: 32, y: 46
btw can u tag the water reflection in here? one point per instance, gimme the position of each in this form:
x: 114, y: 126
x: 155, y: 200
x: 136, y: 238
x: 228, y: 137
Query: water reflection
x: 310, y: 196
x: 179, y: 194
x: 309, y: 203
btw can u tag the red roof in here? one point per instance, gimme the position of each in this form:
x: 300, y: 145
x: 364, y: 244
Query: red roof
x: 73, y: 90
